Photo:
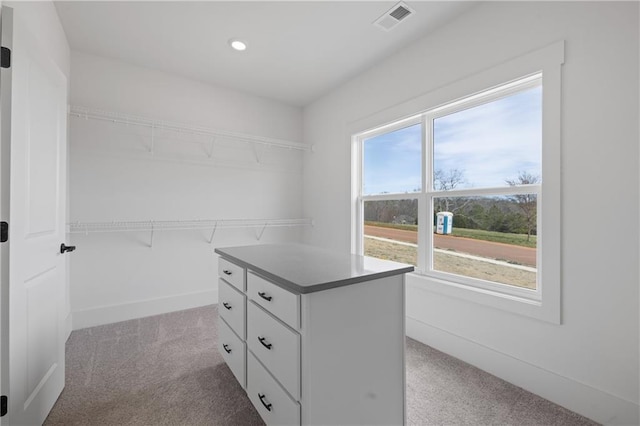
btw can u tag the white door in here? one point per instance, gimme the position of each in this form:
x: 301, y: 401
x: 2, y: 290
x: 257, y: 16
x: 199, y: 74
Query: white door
x: 37, y: 269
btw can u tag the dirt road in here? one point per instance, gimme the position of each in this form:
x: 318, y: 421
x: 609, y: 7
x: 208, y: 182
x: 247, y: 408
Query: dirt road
x: 510, y: 253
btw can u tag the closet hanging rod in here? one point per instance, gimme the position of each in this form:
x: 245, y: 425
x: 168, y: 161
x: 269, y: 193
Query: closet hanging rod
x: 114, y: 117
x: 171, y: 225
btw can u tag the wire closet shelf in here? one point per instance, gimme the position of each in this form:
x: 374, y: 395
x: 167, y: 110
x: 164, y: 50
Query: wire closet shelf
x: 133, y: 120
x: 174, y: 225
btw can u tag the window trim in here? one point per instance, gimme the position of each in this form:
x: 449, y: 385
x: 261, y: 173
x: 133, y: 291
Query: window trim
x: 546, y: 61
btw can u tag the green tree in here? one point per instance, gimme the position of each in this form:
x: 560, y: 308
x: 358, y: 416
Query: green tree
x: 527, y: 203
x: 496, y: 220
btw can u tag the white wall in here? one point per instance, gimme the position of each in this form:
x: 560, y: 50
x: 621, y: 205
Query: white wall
x: 114, y: 177
x: 42, y: 19
x: 588, y: 364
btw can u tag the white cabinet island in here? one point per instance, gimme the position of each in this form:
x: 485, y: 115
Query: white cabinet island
x: 314, y: 337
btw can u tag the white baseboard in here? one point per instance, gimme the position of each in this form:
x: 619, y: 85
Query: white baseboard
x: 144, y: 308
x: 581, y: 398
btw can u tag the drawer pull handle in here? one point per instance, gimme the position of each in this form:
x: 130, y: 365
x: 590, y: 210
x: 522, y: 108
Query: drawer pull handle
x: 267, y: 406
x: 226, y: 305
x: 264, y: 296
x: 227, y: 272
x: 266, y: 345
x: 226, y: 348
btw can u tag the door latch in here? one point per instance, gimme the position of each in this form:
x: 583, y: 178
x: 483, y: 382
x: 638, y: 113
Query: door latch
x: 65, y: 248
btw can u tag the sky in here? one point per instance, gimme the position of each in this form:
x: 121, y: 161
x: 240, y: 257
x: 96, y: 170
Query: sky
x: 489, y: 144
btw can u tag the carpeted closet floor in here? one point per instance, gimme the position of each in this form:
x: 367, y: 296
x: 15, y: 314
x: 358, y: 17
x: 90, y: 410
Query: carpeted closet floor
x: 166, y: 370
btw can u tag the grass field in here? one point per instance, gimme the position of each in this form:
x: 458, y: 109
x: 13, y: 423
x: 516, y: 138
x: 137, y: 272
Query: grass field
x: 452, y: 264
x: 392, y: 225
x: 477, y: 234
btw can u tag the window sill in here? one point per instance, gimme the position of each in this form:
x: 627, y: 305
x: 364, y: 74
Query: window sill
x: 543, y: 310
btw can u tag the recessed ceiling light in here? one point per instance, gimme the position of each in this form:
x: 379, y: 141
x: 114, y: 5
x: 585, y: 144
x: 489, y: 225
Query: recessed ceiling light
x: 237, y: 44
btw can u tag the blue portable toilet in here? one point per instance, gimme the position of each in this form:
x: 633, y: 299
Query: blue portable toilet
x: 444, y: 223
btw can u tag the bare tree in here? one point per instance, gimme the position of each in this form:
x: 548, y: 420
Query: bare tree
x: 446, y: 181
x: 526, y: 202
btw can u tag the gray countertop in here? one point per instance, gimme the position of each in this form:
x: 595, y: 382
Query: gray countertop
x: 306, y: 269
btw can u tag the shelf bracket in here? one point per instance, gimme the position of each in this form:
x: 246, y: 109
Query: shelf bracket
x: 211, y: 146
x: 213, y: 233
x: 259, y: 234
x: 255, y: 152
x: 152, y: 139
x: 152, y: 231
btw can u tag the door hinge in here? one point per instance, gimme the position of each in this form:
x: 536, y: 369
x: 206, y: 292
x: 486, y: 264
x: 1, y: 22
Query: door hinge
x: 3, y: 405
x: 5, y: 57
x: 4, y: 232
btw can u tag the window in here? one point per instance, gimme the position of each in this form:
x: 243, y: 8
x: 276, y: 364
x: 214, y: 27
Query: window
x: 485, y: 175
x: 481, y: 154
x: 454, y: 190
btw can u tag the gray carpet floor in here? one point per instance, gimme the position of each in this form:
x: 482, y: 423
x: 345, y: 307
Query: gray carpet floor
x: 166, y: 370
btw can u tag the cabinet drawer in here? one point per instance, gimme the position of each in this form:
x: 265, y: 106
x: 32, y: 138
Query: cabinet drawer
x: 276, y: 346
x: 232, y: 273
x: 280, y: 302
x: 233, y: 351
x: 232, y: 307
x: 272, y: 402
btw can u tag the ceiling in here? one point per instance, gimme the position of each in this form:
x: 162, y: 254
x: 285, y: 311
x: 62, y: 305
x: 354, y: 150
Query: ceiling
x: 297, y: 51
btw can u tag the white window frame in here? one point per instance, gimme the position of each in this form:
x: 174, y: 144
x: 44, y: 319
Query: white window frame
x: 544, y: 303
x: 430, y: 116
x: 358, y: 241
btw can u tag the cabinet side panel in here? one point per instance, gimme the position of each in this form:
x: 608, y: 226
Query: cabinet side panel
x: 353, y: 354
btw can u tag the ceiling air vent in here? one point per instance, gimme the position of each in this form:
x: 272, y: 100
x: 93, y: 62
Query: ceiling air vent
x: 394, y: 16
